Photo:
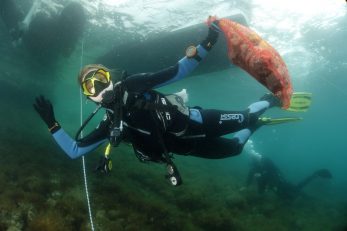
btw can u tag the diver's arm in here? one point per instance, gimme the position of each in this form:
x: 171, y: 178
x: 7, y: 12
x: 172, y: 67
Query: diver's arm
x: 85, y: 145
x: 72, y: 148
x: 182, y: 69
x: 146, y: 81
x: 143, y: 82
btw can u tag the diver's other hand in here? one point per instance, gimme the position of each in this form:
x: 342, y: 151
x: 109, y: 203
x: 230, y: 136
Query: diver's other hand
x: 212, y: 35
x: 45, y: 109
x: 213, y: 23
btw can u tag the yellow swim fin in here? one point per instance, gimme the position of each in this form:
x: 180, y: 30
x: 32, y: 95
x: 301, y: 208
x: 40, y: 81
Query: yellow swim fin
x: 273, y: 121
x: 300, y: 101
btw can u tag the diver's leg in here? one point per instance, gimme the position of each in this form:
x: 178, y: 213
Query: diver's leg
x: 258, y: 108
x: 323, y: 173
x: 217, y: 123
x: 305, y: 181
x: 272, y: 99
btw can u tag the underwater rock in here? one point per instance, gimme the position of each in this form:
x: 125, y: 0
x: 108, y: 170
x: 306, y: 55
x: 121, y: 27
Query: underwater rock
x: 49, y: 221
x: 16, y: 218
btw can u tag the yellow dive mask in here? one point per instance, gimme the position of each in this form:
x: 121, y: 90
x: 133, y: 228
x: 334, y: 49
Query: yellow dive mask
x: 88, y: 83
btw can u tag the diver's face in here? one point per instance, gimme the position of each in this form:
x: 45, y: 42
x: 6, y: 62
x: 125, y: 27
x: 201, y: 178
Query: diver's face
x: 99, y: 97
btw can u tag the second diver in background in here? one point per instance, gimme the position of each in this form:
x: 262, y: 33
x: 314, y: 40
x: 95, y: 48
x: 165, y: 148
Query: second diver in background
x: 268, y: 177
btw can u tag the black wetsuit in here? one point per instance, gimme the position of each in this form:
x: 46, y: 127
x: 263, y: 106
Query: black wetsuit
x: 181, y: 135
x: 269, y: 177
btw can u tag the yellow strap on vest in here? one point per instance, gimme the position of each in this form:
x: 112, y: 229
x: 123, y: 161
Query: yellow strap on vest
x: 108, y: 150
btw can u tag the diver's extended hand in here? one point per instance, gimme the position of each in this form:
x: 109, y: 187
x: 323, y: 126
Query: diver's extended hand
x: 45, y: 109
x: 213, y: 23
x: 212, y: 35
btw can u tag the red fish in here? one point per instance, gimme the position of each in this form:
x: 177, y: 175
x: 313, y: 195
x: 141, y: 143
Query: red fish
x: 253, y: 54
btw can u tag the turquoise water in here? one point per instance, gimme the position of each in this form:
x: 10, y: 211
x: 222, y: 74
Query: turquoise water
x: 42, y: 189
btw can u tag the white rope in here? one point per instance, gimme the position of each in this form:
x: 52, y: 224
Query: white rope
x: 83, y: 161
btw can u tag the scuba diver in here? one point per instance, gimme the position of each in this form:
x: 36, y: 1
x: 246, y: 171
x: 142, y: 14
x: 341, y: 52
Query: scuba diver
x: 156, y: 125
x: 45, y: 36
x: 269, y: 177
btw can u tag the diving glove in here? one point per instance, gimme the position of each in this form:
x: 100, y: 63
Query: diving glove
x: 212, y: 35
x: 45, y: 109
x: 104, y: 165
